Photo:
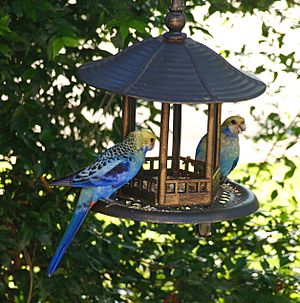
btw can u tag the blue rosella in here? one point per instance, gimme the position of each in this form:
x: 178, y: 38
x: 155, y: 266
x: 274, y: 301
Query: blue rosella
x: 230, y: 148
x: 112, y: 169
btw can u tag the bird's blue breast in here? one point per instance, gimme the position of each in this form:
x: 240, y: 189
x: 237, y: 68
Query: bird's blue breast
x: 229, y: 153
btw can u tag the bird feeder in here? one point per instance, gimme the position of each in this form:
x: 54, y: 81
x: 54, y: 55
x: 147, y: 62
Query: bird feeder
x: 175, y: 70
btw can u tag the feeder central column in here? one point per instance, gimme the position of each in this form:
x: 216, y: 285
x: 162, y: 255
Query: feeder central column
x: 176, y: 139
x: 128, y: 115
x: 209, y: 166
x: 163, y: 151
x: 125, y: 117
x: 218, y: 135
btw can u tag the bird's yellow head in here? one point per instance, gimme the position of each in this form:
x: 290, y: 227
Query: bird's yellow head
x: 236, y: 124
x: 142, y: 139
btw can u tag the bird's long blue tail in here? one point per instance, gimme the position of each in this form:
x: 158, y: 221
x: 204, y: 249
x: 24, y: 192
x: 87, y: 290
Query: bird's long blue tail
x: 83, y: 207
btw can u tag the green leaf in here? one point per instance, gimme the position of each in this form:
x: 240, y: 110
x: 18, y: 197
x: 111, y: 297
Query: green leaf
x: 124, y: 31
x: 274, y: 194
x: 260, y: 69
x: 265, y: 30
x: 205, y: 31
x: 5, y: 50
x: 138, y: 25
x: 55, y: 47
x: 58, y: 44
x: 289, y: 174
x: 275, y: 75
x: 117, y: 40
x: 265, y: 265
x: 70, y: 41
x: 4, y: 22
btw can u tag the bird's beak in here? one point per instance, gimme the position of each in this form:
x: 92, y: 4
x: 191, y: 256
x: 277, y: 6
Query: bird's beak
x: 241, y: 127
x: 152, y: 146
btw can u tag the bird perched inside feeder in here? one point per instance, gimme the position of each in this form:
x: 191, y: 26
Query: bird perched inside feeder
x: 112, y: 169
x: 230, y: 148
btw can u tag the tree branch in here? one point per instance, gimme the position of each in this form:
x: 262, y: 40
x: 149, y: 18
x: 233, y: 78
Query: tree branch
x: 29, y: 263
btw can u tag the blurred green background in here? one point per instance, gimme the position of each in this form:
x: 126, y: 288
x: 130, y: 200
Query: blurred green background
x: 45, y: 131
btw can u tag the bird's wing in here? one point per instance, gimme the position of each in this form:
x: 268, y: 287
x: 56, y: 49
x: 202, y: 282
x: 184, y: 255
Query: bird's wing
x: 201, y: 149
x: 105, y: 162
x: 112, y: 173
x: 116, y: 176
x: 66, y: 180
x: 235, y: 162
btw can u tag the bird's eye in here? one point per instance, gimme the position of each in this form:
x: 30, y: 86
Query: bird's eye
x: 233, y: 122
x: 152, y: 140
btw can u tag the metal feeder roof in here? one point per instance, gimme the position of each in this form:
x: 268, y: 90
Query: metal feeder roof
x: 172, y: 68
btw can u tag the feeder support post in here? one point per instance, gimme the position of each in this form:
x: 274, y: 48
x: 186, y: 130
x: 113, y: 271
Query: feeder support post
x: 176, y: 139
x: 218, y: 135
x: 163, y: 151
x: 128, y: 115
x: 132, y: 115
x: 125, y: 117
x: 209, y: 165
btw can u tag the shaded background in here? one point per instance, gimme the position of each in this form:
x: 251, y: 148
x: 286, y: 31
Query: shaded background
x: 52, y: 124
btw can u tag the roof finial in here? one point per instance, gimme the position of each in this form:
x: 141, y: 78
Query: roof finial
x: 175, y: 21
x: 177, y: 6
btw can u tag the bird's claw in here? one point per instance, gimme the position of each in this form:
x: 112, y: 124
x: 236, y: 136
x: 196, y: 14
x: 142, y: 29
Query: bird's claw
x: 109, y: 202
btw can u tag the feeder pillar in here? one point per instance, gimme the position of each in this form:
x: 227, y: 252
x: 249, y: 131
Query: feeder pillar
x: 163, y: 151
x: 176, y: 139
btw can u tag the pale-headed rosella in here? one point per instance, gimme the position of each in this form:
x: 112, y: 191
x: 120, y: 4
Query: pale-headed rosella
x: 112, y: 169
x: 230, y: 148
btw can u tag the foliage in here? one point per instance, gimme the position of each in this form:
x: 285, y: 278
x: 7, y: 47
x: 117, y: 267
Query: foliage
x: 44, y: 130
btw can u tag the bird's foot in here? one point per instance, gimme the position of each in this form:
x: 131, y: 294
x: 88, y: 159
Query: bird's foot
x: 224, y: 180
x: 110, y: 202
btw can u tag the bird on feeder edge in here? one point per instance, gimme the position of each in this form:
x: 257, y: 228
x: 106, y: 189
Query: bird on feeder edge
x: 229, y: 155
x: 230, y: 148
x: 112, y: 169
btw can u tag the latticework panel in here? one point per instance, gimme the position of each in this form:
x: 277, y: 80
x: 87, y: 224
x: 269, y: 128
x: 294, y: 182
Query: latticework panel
x: 186, y: 186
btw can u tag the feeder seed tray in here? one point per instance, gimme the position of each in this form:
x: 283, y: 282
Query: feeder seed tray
x: 233, y: 202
